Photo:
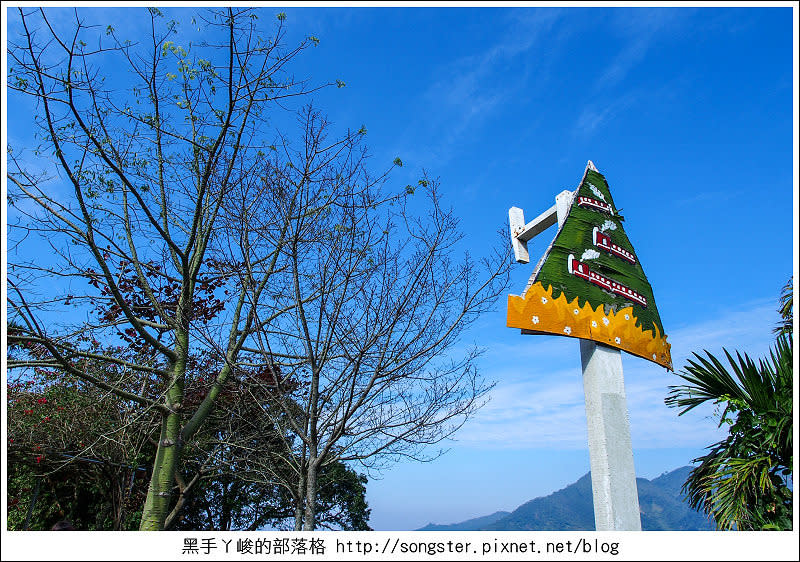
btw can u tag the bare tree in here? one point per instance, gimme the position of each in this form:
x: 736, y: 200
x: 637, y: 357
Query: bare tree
x: 148, y: 159
x: 368, y: 301
x: 200, y: 231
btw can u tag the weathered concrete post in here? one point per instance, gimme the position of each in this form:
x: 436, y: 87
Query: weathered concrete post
x: 616, y: 501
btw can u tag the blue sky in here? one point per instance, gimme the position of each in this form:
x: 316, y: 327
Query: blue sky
x: 688, y: 114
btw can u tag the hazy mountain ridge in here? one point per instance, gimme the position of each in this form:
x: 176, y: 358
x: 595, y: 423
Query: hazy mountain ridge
x: 661, y: 502
x: 469, y: 524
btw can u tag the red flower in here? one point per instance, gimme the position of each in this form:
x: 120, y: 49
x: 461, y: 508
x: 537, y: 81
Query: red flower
x: 28, y: 412
x: 46, y: 418
x: 39, y: 459
x: 42, y: 401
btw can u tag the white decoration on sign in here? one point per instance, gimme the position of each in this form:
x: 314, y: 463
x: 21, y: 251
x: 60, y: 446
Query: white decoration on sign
x: 608, y: 225
x: 590, y: 254
x: 597, y: 192
x: 567, y: 330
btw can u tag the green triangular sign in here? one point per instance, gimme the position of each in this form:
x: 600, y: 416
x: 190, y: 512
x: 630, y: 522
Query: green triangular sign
x: 590, y: 283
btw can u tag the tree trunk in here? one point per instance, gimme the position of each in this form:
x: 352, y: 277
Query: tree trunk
x: 310, y: 516
x: 300, y: 493
x: 156, y: 506
x: 117, y: 501
x: 159, y: 494
x: 299, y: 510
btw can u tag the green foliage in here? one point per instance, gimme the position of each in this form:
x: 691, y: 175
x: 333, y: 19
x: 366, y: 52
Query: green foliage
x: 248, y: 471
x: 231, y: 501
x: 743, y: 482
x: 67, y: 461
x: 83, y: 493
x: 341, y: 500
x: 228, y: 502
x: 787, y: 304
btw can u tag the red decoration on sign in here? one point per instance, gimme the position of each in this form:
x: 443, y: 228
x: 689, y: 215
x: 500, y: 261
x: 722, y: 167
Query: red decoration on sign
x: 603, y: 241
x: 580, y: 269
x: 584, y: 201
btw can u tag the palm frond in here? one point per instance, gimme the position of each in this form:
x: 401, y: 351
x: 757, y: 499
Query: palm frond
x: 786, y: 309
x: 709, y: 381
x: 742, y: 481
x: 755, y: 386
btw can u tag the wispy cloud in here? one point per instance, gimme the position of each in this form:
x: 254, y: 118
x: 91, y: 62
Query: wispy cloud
x: 594, y: 115
x: 640, y: 31
x: 710, y: 197
x: 539, y: 402
x: 641, y: 28
x: 468, y: 90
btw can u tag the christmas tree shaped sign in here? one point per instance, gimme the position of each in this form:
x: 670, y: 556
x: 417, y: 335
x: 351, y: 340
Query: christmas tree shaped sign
x: 590, y: 283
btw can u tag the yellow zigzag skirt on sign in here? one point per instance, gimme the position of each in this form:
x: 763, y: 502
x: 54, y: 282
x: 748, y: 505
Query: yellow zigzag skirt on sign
x: 539, y: 312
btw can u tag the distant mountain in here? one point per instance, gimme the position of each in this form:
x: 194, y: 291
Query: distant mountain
x: 469, y: 525
x: 570, y: 509
x: 664, y: 507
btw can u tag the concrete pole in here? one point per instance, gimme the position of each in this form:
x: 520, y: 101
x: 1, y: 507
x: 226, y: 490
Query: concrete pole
x: 616, y: 501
